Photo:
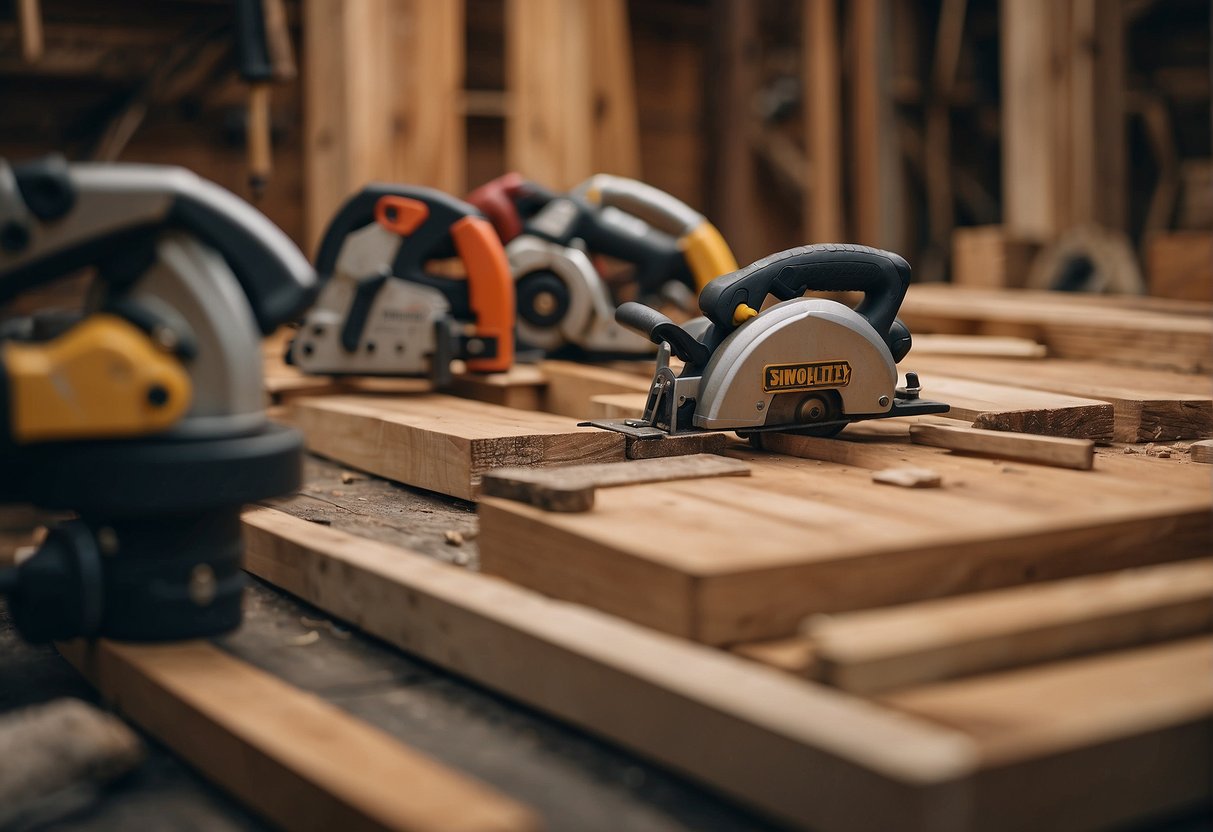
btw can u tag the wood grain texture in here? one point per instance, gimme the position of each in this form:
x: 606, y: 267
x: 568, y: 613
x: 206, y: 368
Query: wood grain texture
x: 977, y: 345
x: 1179, y: 264
x: 821, y: 537
x: 1009, y: 408
x: 1202, y: 451
x: 1104, y: 716
x: 572, y: 387
x: 286, y: 754
x: 703, y: 713
x: 1148, y: 405
x: 572, y: 487
x: 1078, y: 454
x: 443, y: 443
x: 878, y: 650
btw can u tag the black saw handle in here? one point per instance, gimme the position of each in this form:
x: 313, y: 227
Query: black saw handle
x: 658, y: 328
x: 882, y: 276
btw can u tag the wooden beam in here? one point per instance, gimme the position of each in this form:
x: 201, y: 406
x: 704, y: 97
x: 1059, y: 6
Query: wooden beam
x: 875, y: 183
x: 1004, y: 407
x: 572, y: 387
x: 1179, y: 264
x: 289, y: 756
x: 615, y: 133
x: 383, y: 85
x: 822, y: 122
x: 549, y: 132
x: 443, y: 443
x: 879, y: 650
x: 1085, y: 726
x: 713, y: 717
x: 571, y: 487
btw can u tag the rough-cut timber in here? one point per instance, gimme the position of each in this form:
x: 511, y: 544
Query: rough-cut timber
x: 1006, y: 407
x: 709, y: 715
x: 443, y: 443
x: 572, y: 386
x: 877, y: 650
x: 1087, y: 727
x: 1148, y: 405
x: 286, y: 754
x: 571, y: 487
x: 1078, y: 454
x: 750, y: 558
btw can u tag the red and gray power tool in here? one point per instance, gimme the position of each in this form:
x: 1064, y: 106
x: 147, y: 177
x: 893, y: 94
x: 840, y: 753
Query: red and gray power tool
x: 565, y: 305
x: 385, y: 309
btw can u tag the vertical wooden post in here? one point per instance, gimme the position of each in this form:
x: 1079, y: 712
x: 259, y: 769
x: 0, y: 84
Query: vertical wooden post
x: 875, y: 171
x: 548, y: 134
x: 822, y: 123
x: 382, y: 90
x: 616, y: 136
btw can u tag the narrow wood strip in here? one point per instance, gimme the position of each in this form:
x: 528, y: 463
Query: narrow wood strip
x: 1007, y: 407
x: 742, y: 729
x: 286, y: 754
x: 1059, y: 452
x: 977, y: 345
x: 876, y: 650
x: 571, y: 487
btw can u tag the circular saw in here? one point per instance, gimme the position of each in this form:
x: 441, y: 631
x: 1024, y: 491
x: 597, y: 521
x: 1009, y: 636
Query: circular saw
x: 803, y: 364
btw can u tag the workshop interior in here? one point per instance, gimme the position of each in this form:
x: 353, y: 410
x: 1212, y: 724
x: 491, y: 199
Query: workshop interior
x: 517, y: 415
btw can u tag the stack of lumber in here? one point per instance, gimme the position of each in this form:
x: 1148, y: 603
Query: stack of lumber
x: 1001, y: 650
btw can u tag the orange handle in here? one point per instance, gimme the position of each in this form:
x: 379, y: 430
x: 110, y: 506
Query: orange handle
x: 490, y: 290
x: 400, y: 215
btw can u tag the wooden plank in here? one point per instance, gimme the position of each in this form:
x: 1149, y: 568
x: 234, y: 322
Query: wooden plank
x: 1045, y: 450
x: 1179, y: 264
x: 1202, y: 451
x: 984, y: 257
x: 1050, y: 733
x: 977, y: 345
x: 879, y: 650
x: 1158, y: 333
x: 830, y: 540
x: 443, y: 443
x: 691, y: 443
x: 382, y: 91
x: 548, y: 134
x: 288, y: 755
x: 711, y: 716
x: 571, y: 386
x: 1008, y: 408
x: 1148, y: 405
x: 875, y: 183
x: 618, y: 406
x: 572, y: 487
x: 822, y: 121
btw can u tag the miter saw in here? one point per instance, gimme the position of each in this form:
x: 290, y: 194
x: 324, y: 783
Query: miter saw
x: 564, y: 304
x: 383, y: 310
x: 804, y: 365
x: 143, y: 412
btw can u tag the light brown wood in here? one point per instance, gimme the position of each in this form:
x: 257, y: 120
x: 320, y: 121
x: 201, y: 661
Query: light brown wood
x: 288, y: 755
x: 1179, y: 264
x: 878, y: 650
x: 874, y: 182
x: 29, y: 19
x: 716, y: 718
x: 1202, y: 451
x: 822, y: 120
x: 443, y: 443
x: 1155, y: 333
x: 572, y: 487
x: 1045, y: 450
x: 618, y: 406
x: 984, y: 257
x: 1148, y: 405
x: 794, y: 654
x: 549, y: 135
x: 1029, y: 210
x: 977, y: 345
x: 821, y: 537
x: 1005, y: 407
x: 615, y: 133
x: 383, y: 83
x: 901, y: 477
x: 689, y: 443
x: 571, y: 387
x: 1084, y: 727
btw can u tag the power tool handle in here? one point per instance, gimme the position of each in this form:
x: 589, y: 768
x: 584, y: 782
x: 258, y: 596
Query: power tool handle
x: 882, y: 276
x: 658, y: 328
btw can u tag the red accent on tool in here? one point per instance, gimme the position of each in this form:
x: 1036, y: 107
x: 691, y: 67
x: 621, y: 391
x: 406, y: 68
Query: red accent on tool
x: 495, y: 199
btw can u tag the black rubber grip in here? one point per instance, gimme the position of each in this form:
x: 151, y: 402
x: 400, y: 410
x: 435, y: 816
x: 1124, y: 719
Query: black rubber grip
x: 882, y: 276
x: 658, y: 329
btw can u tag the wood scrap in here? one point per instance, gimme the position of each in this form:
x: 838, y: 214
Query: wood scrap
x: 572, y: 487
x: 908, y: 477
x: 443, y: 443
x: 1078, y: 454
x: 288, y: 755
x: 873, y: 651
x: 1009, y: 408
x: 62, y: 746
x: 704, y: 713
x: 1050, y: 732
x: 708, y: 442
x: 1202, y: 451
